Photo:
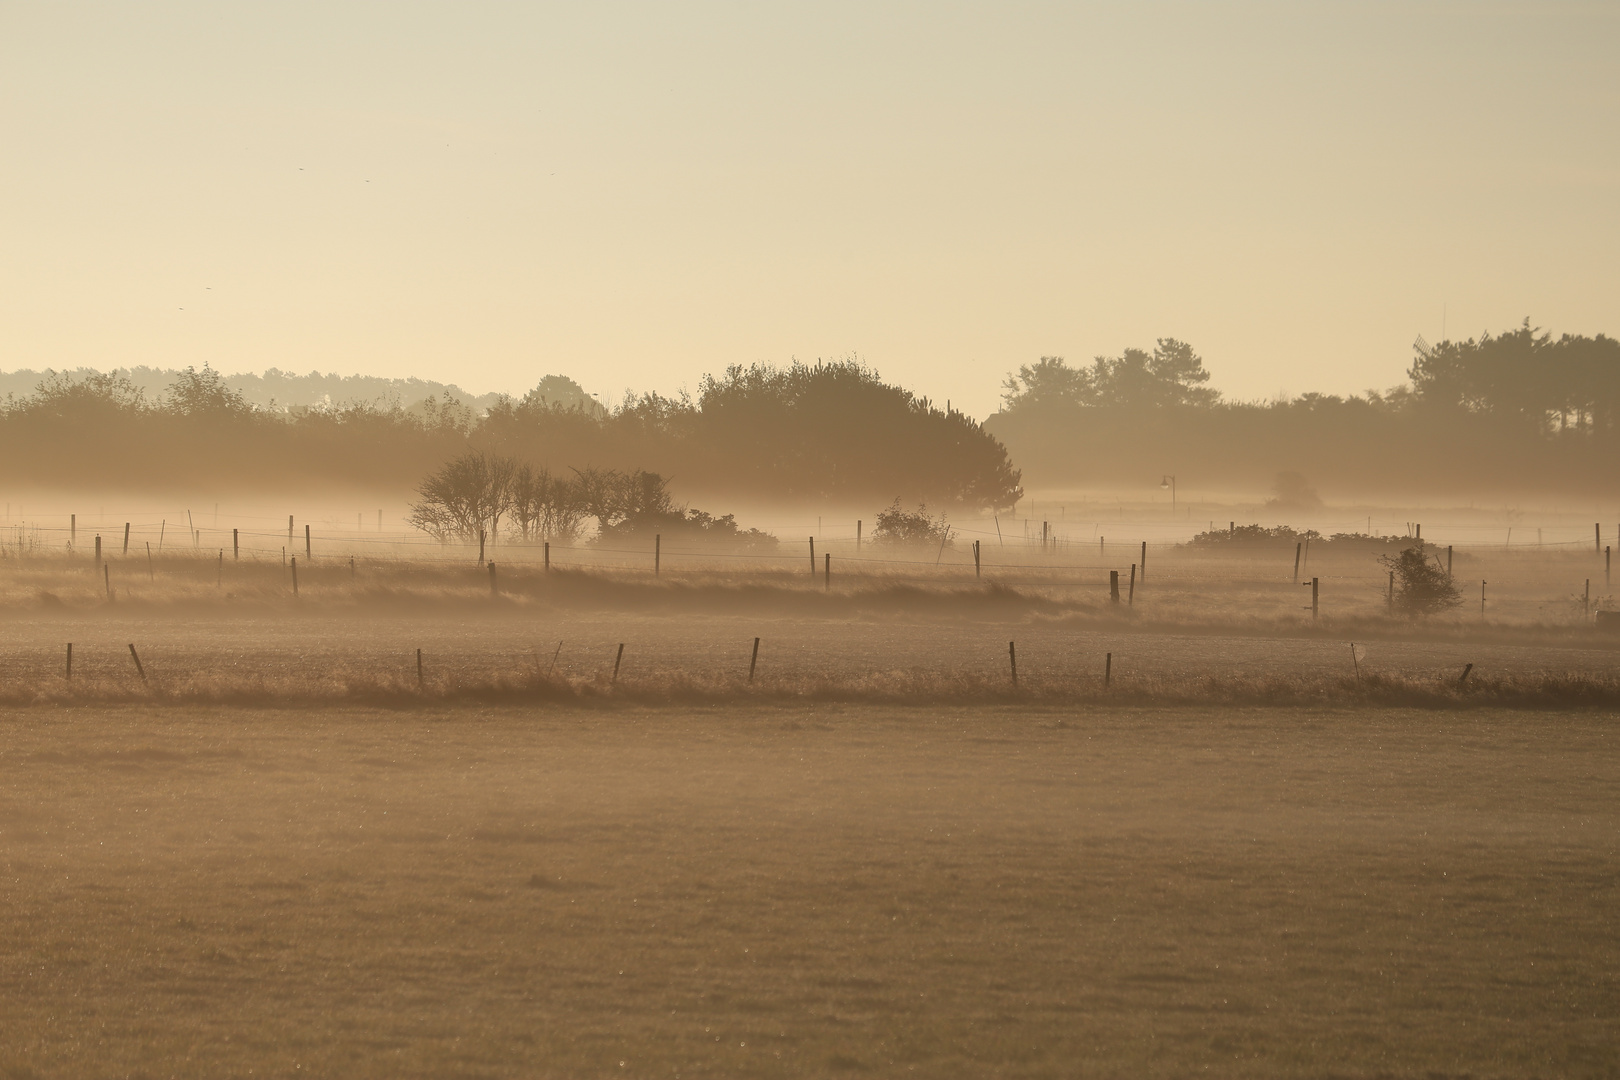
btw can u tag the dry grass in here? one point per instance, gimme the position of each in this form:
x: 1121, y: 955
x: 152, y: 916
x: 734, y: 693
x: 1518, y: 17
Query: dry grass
x: 775, y: 889
x: 1526, y: 587
x: 283, y: 855
x: 1544, y: 691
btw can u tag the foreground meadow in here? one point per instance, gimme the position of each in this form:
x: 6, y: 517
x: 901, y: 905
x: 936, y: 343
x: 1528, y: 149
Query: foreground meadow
x: 796, y: 889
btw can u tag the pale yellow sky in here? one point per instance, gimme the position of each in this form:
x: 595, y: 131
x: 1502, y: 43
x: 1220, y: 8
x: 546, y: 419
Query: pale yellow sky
x: 636, y: 193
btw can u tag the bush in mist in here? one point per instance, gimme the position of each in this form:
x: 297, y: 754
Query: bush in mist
x: 636, y: 506
x: 897, y: 525
x: 1421, y: 587
x: 1251, y: 535
x: 690, y: 526
x: 1287, y: 536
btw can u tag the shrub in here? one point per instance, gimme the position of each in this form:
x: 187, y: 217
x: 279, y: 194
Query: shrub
x: 1421, y: 587
x: 690, y: 525
x: 1254, y: 534
x: 897, y: 525
x: 1282, y: 535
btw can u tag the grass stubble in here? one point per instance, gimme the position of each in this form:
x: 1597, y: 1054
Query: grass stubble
x: 782, y: 886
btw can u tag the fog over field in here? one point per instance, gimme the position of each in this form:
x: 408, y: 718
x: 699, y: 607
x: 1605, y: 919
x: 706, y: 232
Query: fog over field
x: 701, y: 540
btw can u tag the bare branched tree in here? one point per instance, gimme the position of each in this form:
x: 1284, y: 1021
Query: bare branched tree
x: 467, y: 495
x: 545, y: 507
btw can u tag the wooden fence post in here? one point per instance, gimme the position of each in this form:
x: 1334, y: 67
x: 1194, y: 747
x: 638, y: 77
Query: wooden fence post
x: 812, y: 556
x: 1108, y: 668
x: 826, y: 584
x: 98, y: 549
x: 236, y: 544
x: 1315, y: 593
x: 1144, y: 562
x: 106, y: 580
x: 857, y: 535
x: 135, y: 656
x: 976, y: 572
x: 1113, y: 586
x: 73, y: 530
x: 658, y: 552
x: 1298, y: 548
x: 481, y: 547
x: 70, y: 662
x: 419, y: 669
x: 1012, y: 658
x: 309, y: 552
x: 616, y: 660
x: 1448, y: 563
x: 126, y: 538
x: 548, y: 556
x: 753, y: 660
x: 289, y: 530
x: 295, y: 574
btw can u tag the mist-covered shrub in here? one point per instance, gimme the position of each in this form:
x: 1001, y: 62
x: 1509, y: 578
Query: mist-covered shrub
x: 1285, y: 535
x: 1254, y: 535
x: 1422, y: 586
x: 900, y: 526
x: 690, y: 527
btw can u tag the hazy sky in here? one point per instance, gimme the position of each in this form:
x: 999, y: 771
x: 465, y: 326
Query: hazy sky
x: 637, y: 193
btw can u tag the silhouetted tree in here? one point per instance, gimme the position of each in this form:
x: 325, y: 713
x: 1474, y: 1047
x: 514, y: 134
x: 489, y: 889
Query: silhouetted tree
x: 1171, y: 375
x: 205, y: 395
x: 1524, y: 377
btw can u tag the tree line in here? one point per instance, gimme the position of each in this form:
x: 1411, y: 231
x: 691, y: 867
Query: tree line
x: 806, y: 432
x: 1519, y: 411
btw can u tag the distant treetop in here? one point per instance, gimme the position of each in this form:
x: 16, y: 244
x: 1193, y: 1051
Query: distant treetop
x: 1171, y: 375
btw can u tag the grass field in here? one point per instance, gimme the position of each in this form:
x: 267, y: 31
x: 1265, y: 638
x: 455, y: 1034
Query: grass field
x: 797, y: 889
